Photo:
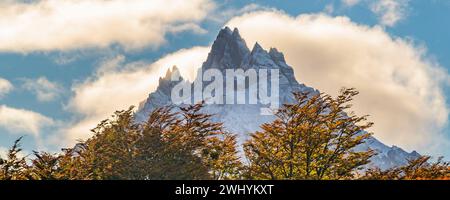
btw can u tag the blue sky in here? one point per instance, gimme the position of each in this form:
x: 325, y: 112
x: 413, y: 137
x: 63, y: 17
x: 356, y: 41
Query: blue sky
x: 44, y: 76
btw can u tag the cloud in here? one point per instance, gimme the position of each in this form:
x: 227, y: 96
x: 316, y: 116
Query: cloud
x: 399, y: 87
x: 350, y: 3
x: 23, y: 121
x: 390, y: 12
x: 5, y: 87
x: 118, y: 85
x: 49, y: 25
x: 44, y: 89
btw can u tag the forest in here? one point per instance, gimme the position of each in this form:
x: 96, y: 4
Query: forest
x: 311, y: 139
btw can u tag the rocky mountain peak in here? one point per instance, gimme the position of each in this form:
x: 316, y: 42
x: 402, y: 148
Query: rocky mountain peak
x: 276, y: 55
x: 168, y: 76
x: 228, y: 50
x: 166, y: 83
x: 170, y: 72
x: 257, y: 49
x: 236, y: 33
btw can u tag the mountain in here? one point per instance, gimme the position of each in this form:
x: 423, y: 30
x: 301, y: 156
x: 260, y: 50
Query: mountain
x: 229, y: 51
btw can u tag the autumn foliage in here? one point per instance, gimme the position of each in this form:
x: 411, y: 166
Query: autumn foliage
x: 312, y: 138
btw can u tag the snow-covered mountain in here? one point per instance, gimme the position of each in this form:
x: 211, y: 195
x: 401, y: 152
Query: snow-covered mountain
x: 230, y: 51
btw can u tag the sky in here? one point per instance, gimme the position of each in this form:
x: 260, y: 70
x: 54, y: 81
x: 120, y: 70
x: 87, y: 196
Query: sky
x: 65, y: 65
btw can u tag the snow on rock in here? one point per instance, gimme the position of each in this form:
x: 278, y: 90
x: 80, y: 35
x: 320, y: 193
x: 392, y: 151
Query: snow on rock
x: 229, y: 51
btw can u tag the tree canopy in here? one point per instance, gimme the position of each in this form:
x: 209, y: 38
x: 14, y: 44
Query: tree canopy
x: 313, y: 137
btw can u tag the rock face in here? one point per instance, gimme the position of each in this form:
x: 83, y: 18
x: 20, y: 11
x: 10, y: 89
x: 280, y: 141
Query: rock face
x: 230, y: 51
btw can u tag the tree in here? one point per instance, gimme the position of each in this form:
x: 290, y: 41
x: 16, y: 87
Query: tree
x: 180, y: 137
x: 197, y: 145
x: 14, y: 167
x: 44, y: 166
x: 169, y: 145
x: 110, y: 153
x: 417, y: 169
x: 222, y: 158
x: 312, y: 138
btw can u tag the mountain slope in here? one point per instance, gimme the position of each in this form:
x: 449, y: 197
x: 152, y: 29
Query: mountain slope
x: 229, y: 51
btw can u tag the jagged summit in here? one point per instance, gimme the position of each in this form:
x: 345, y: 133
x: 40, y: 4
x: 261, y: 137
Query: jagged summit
x: 166, y: 83
x: 162, y: 94
x: 276, y: 55
x: 258, y: 49
x: 170, y: 72
x: 229, y: 51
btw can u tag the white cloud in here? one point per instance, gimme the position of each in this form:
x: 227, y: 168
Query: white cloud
x: 350, y: 3
x: 118, y: 85
x: 400, y: 88
x: 47, y: 25
x: 23, y: 121
x: 5, y: 87
x: 390, y: 11
x: 44, y: 89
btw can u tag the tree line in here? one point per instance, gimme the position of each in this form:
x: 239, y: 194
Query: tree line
x: 312, y: 138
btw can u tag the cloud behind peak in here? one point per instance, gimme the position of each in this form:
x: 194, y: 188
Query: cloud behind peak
x: 400, y: 88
